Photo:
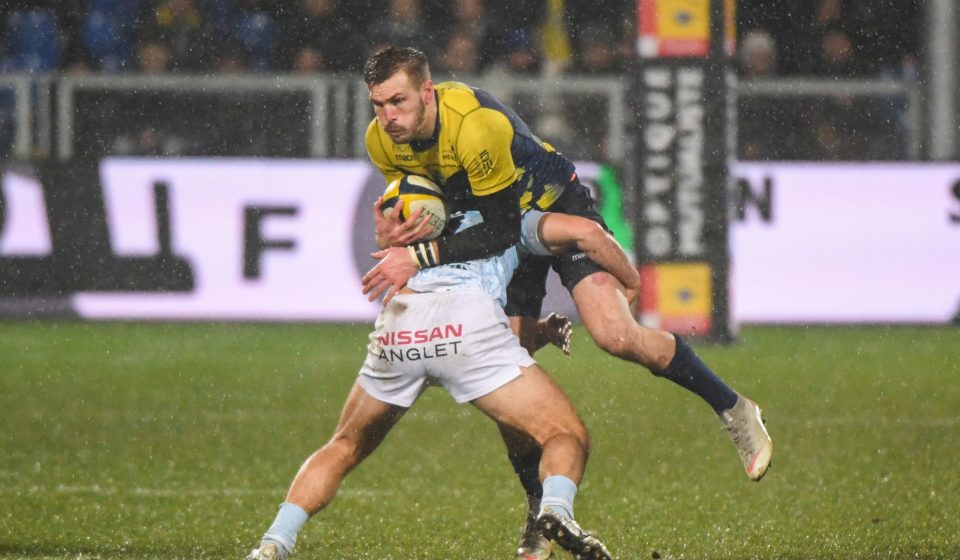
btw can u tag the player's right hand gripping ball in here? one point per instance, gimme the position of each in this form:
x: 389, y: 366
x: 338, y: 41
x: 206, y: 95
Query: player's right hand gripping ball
x: 412, y: 192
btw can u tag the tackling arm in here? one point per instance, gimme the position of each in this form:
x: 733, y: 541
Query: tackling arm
x: 559, y: 232
x: 499, y: 230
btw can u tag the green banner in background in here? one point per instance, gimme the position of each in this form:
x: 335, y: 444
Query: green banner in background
x: 610, y: 195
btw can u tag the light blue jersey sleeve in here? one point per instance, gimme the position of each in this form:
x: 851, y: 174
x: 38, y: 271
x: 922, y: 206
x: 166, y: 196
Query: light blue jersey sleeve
x: 492, y: 274
x: 530, y: 233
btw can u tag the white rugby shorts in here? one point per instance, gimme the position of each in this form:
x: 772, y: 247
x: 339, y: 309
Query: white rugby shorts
x: 460, y: 339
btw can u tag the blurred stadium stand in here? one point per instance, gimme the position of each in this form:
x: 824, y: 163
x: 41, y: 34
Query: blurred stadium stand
x: 829, y: 80
x: 34, y: 41
x: 106, y: 42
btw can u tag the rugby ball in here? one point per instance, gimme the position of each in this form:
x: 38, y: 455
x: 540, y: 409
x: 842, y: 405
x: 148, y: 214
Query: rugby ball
x: 412, y: 192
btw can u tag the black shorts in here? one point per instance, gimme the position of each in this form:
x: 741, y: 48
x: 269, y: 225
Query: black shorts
x: 528, y: 286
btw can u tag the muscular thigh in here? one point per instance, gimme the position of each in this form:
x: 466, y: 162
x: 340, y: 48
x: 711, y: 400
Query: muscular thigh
x: 366, y: 420
x: 532, y: 404
x: 607, y: 316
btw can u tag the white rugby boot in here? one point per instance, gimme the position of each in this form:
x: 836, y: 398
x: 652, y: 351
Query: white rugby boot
x: 744, y: 422
x: 267, y: 551
x: 568, y: 534
x: 533, y: 545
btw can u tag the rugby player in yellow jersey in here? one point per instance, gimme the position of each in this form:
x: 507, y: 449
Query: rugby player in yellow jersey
x: 486, y: 158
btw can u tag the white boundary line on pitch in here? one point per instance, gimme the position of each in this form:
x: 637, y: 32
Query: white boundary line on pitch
x: 868, y: 421
x: 73, y: 489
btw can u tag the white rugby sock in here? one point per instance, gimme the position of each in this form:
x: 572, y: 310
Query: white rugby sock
x: 290, y: 519
x: 558, y: 494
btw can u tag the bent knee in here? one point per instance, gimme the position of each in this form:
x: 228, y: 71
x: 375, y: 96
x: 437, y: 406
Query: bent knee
x: 347, y: 447
x: 576, y: 433
x: 586, y: 441
x: 649, y: 348
x: 617, y: 344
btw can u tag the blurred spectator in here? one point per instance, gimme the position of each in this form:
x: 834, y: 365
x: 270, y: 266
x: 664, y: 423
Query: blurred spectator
x: 834, y: 138
x: 402, y: 25
x: 599, y: 51
x: 820, y: 37
x: 825, y: 38
x: 106, y: 45
x: 828, y: 12
x: 460, y: 56
x: 836, y: 57
x: 257, y: 30
x: 183, y: 26
x: 308, y: 60
x: 154, y: 57
x: 34, y: 40
x: 317, y: 37
x: 757, y: 54
x: 472, y: 16
x: 231, y: 58
x: 520, y: 55
x: 880, y: 34
x: 71, y: 16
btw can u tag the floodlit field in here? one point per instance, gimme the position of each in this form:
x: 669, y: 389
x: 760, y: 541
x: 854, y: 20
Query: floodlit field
x: 178, y: 441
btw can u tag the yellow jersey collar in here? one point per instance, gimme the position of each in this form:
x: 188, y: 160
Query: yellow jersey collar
x: 424, y: 145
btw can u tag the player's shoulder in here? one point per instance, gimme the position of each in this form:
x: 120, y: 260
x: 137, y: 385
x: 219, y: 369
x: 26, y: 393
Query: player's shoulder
x: 374, y: 138
x: 373, y: 130
x: 458, y: 97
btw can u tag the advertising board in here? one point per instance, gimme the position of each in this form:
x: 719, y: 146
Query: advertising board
x: 288, y: 240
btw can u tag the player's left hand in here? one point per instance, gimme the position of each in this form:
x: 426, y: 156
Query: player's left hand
x: 390, y: 231
x: 395, y: 268
x: 556, y: 329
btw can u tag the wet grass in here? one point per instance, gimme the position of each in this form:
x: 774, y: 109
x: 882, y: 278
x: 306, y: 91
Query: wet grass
x: 178, y: 441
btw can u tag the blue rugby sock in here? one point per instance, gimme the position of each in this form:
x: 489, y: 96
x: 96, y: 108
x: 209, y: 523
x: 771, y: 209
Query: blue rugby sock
x: 688, y: 371
x: 289, y: 521
x: 558, y: 494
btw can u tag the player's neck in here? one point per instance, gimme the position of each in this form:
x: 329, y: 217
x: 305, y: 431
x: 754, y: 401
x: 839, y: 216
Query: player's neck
x: 428, y: 130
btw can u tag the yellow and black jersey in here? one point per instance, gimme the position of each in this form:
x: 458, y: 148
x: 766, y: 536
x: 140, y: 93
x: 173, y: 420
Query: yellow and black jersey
x: 479, y: 147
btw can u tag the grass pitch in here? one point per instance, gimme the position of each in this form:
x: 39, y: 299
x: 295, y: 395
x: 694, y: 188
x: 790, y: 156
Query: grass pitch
x: 179, y: 440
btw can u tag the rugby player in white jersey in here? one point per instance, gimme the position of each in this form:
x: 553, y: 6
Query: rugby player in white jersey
x: 447, y: 327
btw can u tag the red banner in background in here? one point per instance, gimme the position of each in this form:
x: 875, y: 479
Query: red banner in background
x: 680, y: 28
x: 677, y: 297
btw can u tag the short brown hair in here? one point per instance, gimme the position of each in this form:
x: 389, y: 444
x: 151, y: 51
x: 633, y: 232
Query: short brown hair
x: 391, y: 60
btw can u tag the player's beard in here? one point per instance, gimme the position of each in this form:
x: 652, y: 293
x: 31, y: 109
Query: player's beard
x: 416, y: 131
x: 419, y: 121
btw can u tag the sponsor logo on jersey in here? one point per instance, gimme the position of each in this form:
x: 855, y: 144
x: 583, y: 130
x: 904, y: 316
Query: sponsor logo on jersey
x: 400, y: 338
x: 482, y: 165
x: 486, y: 162
x: 422, y: 344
